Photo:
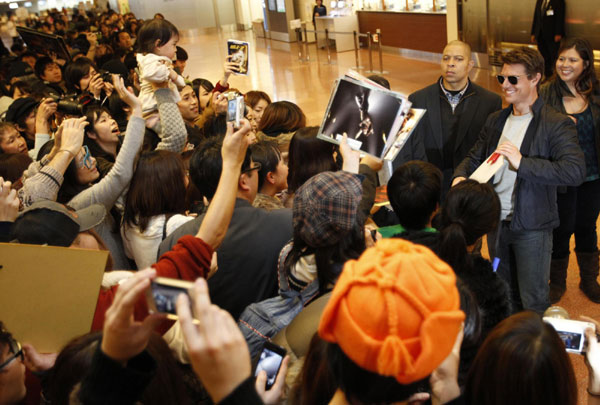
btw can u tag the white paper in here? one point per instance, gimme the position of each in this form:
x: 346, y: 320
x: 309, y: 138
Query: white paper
x: 484, y: 173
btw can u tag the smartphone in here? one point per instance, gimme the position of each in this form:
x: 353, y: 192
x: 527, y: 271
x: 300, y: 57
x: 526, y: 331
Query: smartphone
x: 571, y: 332
x: 162, y: 295
x: 270, y: 360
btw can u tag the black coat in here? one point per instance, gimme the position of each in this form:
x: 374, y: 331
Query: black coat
x: 551, y: 157
x: 547, y: 26
x: 552, y: 93
x: 426, y: 141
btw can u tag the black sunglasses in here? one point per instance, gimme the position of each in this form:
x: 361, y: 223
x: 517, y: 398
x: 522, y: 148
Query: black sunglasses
x: 257, y: 166
x: 16, y: 350
x: 511, y: 79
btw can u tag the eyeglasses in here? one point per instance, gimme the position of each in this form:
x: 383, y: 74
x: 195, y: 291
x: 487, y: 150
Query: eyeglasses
x: 87, y: 159
x: 16, y: 350
x: 511, y: 79
x: 257, y: 167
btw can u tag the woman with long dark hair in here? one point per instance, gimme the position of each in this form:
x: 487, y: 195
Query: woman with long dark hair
x: 574, y: 90
x: 523, y: 361
x: 152, y: 211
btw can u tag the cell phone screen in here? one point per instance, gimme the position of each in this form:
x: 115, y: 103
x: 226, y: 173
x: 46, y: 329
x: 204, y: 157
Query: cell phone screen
x: 270, y: 362
x: 165, y: 297
x: 571, y: 340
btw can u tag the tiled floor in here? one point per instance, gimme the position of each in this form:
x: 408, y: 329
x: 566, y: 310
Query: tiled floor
x: 276, y: 69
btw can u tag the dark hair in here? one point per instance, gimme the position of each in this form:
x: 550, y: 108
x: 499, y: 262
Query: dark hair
x: 315, y: 384
x: 380, y: 80
x: 116, y: 108
x: 17, y: 47
x: 281, y: 117
x: 75, y: 71
x: 526, y: 343
x: 56, y: 229
x: 75, y: 360
x: 470, y: 210
x: 181, y: 54
x: 20, y: 120
x: 472, y: 331
x: 5, y: 336
x: 153, y: 30
x: 308, y: 156
x: 253, y: 97
x: 28, y: 54
x: 364, y: 387
x: 414, y: 191
x: 531, y: 59
x: 205, y: 84
x: 12, y: 166
x: 92, y: 114
x: 23, y: 87
x: 40, y: 65
x: 206, y: 165
x: 268, y: 155
x: 329, y: 259
x: 215, y: 126
x: 157, y: 187
x: 587, y: 82
x: 116, y: 37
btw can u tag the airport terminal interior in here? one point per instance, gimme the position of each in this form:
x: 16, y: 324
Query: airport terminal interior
x: 405, y: 44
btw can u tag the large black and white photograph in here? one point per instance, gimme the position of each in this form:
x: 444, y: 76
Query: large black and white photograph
x: 367, y: 115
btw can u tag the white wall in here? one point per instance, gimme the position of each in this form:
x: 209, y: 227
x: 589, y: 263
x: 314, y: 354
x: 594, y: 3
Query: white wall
x: 185, y: 14
x: 248, y: 11
x: 256, y: 9
x: 226, y: 9
x: 452, y: 20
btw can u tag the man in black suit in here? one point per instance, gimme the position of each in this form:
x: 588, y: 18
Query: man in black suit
x: 548, y: 29
x: 456, y: 112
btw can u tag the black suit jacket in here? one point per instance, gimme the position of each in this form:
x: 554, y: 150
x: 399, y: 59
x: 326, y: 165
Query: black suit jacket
x: 426, y: 142
x: 547, y: 26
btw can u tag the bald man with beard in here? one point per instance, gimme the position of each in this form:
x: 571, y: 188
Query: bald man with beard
x: 456, y: 111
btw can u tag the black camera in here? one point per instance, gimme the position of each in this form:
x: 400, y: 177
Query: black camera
x: 106, y: 76
x: 67, y: 104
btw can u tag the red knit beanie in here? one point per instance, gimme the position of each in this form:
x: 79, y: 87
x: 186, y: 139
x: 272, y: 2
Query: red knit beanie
x: 395, y: 311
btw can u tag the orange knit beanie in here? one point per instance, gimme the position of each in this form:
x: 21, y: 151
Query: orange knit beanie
x: 395, y: 311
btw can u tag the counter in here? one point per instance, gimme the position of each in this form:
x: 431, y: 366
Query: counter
x: 418, y: 30
x: 343, y: 42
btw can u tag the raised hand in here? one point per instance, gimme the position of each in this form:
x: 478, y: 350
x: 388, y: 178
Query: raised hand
x: 218, y: 352
x: 72, y: 131
x: 125, y: 338
x: 9, y: 202
x: 350, y: 156
x: 127, y: 95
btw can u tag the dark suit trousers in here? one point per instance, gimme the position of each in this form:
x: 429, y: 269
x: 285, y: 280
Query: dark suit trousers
x: 549, y: 50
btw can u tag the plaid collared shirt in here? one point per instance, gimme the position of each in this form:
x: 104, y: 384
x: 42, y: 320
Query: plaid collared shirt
x: 453, y: 99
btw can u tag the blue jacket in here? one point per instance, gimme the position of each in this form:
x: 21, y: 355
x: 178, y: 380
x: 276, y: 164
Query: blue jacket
x: 262, y: 320
x: 551, y: 157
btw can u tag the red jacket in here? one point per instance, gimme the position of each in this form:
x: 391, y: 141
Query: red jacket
x: 189, y: 259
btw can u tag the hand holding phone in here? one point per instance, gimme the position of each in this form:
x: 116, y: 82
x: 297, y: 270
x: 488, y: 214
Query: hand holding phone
x: 270, y: 361
x: 572, y: 333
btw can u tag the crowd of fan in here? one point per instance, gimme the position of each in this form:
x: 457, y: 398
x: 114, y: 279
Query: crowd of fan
x: 118, y: 150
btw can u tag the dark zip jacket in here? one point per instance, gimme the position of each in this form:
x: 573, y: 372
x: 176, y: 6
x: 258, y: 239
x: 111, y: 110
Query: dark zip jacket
x: 551, y: 157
